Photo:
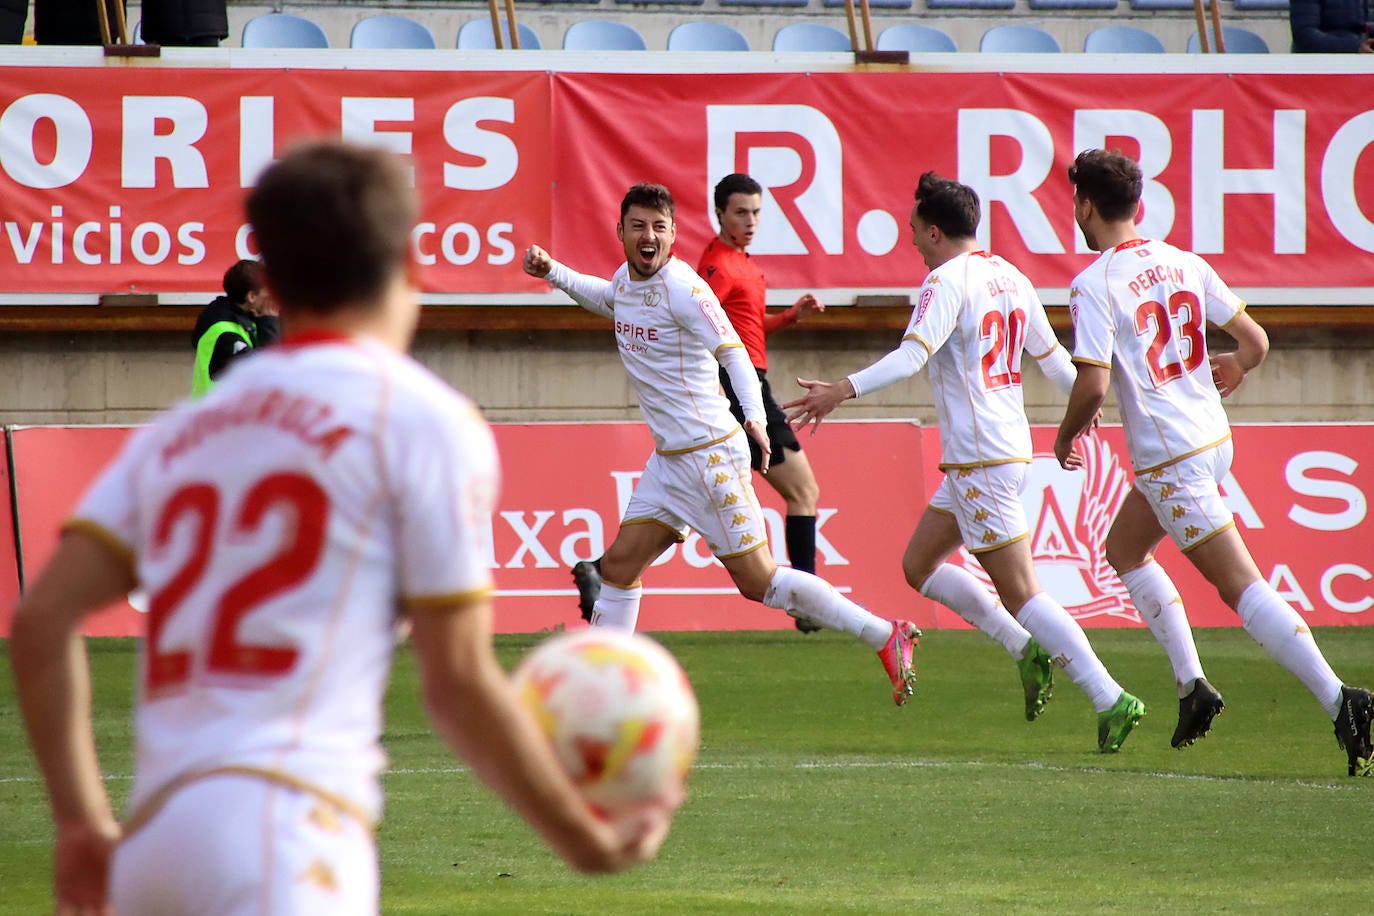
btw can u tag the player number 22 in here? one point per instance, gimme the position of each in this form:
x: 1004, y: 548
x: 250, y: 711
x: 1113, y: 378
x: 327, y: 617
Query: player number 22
x: 291, y: 564
x: 1002, y: 361
x: 1183, y: 315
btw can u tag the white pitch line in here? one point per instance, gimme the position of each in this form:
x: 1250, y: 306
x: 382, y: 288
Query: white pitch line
x: 887, y: 764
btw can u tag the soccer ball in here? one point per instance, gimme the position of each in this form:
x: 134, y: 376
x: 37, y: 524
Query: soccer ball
x: 620, y: 713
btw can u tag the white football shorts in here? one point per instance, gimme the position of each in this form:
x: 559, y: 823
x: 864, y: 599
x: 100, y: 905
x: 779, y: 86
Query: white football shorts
x: 986, y: 502
x: 236, y: 845
x: 709, y: 490
x: 1185, y: 496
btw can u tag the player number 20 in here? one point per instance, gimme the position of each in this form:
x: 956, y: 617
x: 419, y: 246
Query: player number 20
x: 308, y: 505
x: 1006, y: 336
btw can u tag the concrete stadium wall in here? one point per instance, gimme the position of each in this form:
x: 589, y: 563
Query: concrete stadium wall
x: 100, y: 377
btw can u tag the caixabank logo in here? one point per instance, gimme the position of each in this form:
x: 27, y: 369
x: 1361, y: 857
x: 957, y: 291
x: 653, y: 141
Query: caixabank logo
x: 1069, y: 514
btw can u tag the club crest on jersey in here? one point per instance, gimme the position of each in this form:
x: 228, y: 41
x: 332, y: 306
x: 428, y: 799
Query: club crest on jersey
x: 1069, y: 514
x: 652, y: 298
x: 927, y: 297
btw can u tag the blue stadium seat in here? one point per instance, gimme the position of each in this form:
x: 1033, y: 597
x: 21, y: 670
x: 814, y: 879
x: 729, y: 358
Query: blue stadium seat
x: 476, y: 36
x: 603, y: 35
x: 391, y: 32
x: 1238, y: 41
x: 1072, y: 4
x: 1146, y: 5
x: 810, y: 36
x: 920, y: 39
x: 1122, y: 39
x: 774, y: 3
x: 1262, y: 5
x: 878, y: 4
x: 704, y: 35
x: 282, y: 30
x: 1018, y: 39
x: 970, y: 4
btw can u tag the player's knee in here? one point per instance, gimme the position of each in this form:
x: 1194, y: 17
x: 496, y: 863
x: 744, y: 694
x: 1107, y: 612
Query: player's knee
x: 916, y: 573
x: 1123, y: 559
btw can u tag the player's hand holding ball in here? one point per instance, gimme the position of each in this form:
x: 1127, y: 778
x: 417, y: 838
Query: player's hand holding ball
x: 623, y: 721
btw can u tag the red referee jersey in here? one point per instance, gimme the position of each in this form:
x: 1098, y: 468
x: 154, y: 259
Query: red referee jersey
x: 740, y: 287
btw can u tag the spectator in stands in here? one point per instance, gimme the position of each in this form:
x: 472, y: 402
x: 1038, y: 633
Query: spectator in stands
x: 13, y: 14
x: 185, y: 23
x: 68, y: 22
x: 1332, y: 26
x: 244, y: 318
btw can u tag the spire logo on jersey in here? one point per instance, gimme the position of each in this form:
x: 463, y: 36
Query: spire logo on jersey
x: 1069, y: 514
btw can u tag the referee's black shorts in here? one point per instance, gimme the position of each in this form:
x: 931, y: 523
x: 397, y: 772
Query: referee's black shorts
x: 781, y: 438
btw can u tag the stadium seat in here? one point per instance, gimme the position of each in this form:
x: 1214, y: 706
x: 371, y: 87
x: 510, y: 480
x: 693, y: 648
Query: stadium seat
x: 970, y: 4
x: 810, y: 36
x: 1146, y: 5
x: 391, y: 32
x: 704, y: 35
x: 763, y: 2
x: 1072, y: 4
x: 1018, y: 39
x: 877, y: 4
x: 921, y: 39
x: 282, y: 30
x: 476, y: 36
x: 1122, y: 39
x: 1262, y: 5
x: 603, y: 35
x: 1238, y: 41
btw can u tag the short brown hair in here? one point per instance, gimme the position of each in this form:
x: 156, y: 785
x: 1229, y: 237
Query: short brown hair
x: 242, y: 277
x: 948, y: 205
x: 1111, y: 180
x: 333, y: 223
x: 653, y: 196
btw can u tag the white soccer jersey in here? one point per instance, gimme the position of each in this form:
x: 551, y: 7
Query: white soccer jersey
x: 276, y: 525
x: 974, y: 316
x: 670, y: 330
x: 1142, y: 309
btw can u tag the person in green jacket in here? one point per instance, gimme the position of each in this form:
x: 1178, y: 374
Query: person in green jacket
x: 234, y: 324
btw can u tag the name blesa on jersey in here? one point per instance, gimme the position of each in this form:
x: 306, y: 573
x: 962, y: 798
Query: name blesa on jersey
x: 1002, y: 285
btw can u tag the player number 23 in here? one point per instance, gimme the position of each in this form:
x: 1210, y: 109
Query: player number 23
x: 1182, y: 315
x: 293, y: 562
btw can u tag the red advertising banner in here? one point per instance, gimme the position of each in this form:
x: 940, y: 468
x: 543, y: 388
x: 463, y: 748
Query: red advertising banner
x: 1300, y: 496
x: 564, y: 488
x: 1268, y: 176
x: 136, y: 183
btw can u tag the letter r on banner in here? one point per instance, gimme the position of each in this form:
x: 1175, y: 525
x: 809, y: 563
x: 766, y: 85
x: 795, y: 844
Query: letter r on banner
x: 794, y: 152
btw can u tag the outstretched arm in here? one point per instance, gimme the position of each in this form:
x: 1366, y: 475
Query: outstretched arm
x: 592, y: 293
x: 823, y: 397
x: 807, y: 305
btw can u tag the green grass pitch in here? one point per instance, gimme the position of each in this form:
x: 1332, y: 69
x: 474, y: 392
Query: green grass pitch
x: 814, y: 794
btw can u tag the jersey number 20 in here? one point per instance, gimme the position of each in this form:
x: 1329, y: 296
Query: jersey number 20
x: 1002, y: 361
x: 308, y: 505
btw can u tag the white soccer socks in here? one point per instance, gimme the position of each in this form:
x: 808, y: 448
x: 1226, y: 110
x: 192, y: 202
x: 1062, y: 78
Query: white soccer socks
x: 803, y: 595
x: 617, y: 607
x: 1279, y: 629
x: 1157, y: 600
x: 1061, y: 636
x: 960, y: 591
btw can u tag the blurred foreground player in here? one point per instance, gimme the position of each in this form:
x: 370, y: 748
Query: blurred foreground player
x: 349, y: 486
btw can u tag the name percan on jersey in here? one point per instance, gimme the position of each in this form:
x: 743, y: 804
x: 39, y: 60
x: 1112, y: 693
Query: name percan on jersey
x: 276, y: 526
x: 1142, y: 309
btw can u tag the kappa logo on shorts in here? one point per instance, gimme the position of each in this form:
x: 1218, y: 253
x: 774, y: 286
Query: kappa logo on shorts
x: 1191, y: 532
x: 746, y: 540
x: 1068, y: 514
x: 964, y: 472
x: 1167, y: 490
x: 740, y: 518
x: 713, y: 459
x: 730, y: 500
x: 990, y: 536
x: 981, y: 515
x: 972, y: 493
x: 1179, y: 512
x: 722, y: 477
x: 320, y: 874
